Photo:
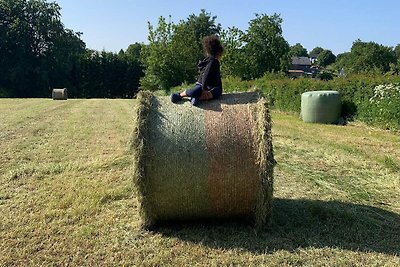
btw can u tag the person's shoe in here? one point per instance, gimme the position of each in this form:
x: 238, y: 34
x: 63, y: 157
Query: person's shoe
x: 175, y: 97
x: 195, y: 101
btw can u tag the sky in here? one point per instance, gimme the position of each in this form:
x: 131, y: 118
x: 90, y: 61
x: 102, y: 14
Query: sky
x: 112, y: 25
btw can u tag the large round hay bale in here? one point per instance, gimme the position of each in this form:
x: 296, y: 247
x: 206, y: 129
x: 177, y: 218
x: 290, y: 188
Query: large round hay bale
x: 321, y: 106
x: 60, y: 94
x: 214, y: 161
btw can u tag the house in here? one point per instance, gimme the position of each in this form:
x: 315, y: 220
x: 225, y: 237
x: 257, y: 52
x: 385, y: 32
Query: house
x: 300, y: 63
x: 301, y: 66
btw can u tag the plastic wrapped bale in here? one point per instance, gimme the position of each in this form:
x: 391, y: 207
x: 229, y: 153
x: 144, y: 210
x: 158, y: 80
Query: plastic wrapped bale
x: 321, y: 107
x: 214, y: 161
x: 60, y: 94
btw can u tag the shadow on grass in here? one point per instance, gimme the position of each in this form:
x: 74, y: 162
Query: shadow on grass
x: 302, y: 224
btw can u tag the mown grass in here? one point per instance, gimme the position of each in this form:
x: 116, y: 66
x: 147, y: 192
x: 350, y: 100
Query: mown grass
x: 66, y: 195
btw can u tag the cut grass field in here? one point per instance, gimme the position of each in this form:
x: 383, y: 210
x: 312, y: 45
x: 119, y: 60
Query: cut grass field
x: 67, y: 197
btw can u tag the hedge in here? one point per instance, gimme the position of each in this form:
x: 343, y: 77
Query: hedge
x: 371, y: 99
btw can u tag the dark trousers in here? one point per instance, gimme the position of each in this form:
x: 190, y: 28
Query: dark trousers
x: 197, y: 90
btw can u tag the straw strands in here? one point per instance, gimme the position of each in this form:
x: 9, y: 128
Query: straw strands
x: 214, y: 161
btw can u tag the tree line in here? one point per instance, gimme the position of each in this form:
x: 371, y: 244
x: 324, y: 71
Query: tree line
x: 37, y: 53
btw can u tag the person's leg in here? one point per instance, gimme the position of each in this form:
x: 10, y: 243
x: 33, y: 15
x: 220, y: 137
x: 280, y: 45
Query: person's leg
x: 195, y: 92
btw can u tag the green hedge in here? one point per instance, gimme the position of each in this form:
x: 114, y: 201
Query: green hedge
x: 357, y: 95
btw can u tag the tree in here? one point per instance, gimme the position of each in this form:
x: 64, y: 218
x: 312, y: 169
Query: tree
x: 316, y: 51
x: 36, y: 51
x: 298, y: 50
x: 265, y: 48
x: 201, y: 25
x: 233, y: 61
x: 174, y: 50
x: 397, y: 51
x: 368, y: 57
x: 325, y: 58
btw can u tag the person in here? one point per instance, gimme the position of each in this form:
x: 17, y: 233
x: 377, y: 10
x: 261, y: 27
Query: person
x: 209, y: 84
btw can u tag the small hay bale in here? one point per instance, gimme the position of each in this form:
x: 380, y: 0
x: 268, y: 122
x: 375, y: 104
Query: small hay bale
x: 60, y: 94
x: 321, y: 107
x: 214, y: 161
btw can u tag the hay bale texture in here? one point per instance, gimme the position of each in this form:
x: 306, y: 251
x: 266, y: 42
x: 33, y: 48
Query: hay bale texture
x: 214, y: 161
x: 60, y: 94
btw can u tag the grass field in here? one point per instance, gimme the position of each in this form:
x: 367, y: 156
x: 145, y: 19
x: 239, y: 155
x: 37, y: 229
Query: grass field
x: 66, y: 195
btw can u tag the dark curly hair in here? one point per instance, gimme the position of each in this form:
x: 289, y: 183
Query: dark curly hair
x: 212, y: 46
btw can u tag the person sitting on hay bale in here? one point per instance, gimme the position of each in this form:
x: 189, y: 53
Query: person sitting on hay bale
x: 209, y: 84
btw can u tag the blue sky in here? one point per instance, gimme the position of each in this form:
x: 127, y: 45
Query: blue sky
x: 331, y: 24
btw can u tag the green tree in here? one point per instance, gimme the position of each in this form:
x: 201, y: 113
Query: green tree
x: 397, y: 51
x: 173, y: 51
x: 234, y: 57
x: 325, y: 58
x: 368, y: 57
x: 316, y: 51
x: 265, y: 50
x: 298, y: 50
x: 201, y: 25
x: 134, y: 69
x: 36, y: 51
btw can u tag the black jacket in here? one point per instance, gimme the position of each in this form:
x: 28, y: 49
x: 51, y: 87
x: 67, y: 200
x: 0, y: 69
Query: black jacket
x: 210, y: 73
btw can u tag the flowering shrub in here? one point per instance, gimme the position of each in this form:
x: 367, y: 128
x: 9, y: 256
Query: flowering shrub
x: 385, y: 92
x: 385, y: 105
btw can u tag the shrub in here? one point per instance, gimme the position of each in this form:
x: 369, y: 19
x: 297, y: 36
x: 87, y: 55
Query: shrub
x: 359, y: 94
x: 385, y: 106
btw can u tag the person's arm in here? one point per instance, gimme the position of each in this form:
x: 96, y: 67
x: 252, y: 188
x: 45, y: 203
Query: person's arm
x: 207, y: 75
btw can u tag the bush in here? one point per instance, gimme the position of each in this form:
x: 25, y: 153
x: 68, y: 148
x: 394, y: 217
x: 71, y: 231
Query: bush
x: 385, y: 106
x: 361, y: 95
x: 371, y: 99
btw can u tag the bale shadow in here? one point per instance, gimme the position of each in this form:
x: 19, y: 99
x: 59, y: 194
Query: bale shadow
x: 299, y: 223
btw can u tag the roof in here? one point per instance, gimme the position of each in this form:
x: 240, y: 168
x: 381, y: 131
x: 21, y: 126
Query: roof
x: 301, y: 61
x: 296, y: 71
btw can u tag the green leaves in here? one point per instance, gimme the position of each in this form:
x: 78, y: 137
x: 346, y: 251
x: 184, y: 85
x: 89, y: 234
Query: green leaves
x: 368, y: 57
x: 298, y: 50
x: 325, y: 58
x: 260, y: 49
x: 174, y: 50
x: 36, y: 51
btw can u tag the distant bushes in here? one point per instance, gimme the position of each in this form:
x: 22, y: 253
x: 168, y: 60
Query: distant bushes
x: 372, y: 99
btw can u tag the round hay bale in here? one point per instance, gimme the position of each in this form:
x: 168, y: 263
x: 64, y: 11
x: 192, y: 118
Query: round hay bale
x: 60, y: 94
x: 321, y: 106
x: 214, y: 161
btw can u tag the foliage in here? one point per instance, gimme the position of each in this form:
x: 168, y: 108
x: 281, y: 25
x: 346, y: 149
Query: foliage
x: 260, y: 49
x: 201, y: 25
x: 325, y: 58
x: 36, y: 51
x: 107, y: 75
x: 316, y: 51
x: 367, y: 57
x: 298, y: 50
x: 234, y: 59
x: 385, y: 105
x: 174, y: 50
x: 397, y: 51
x: 325, y: 75
x: 37, y: 54
x: 356, y: 93
x: 266, y: 50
